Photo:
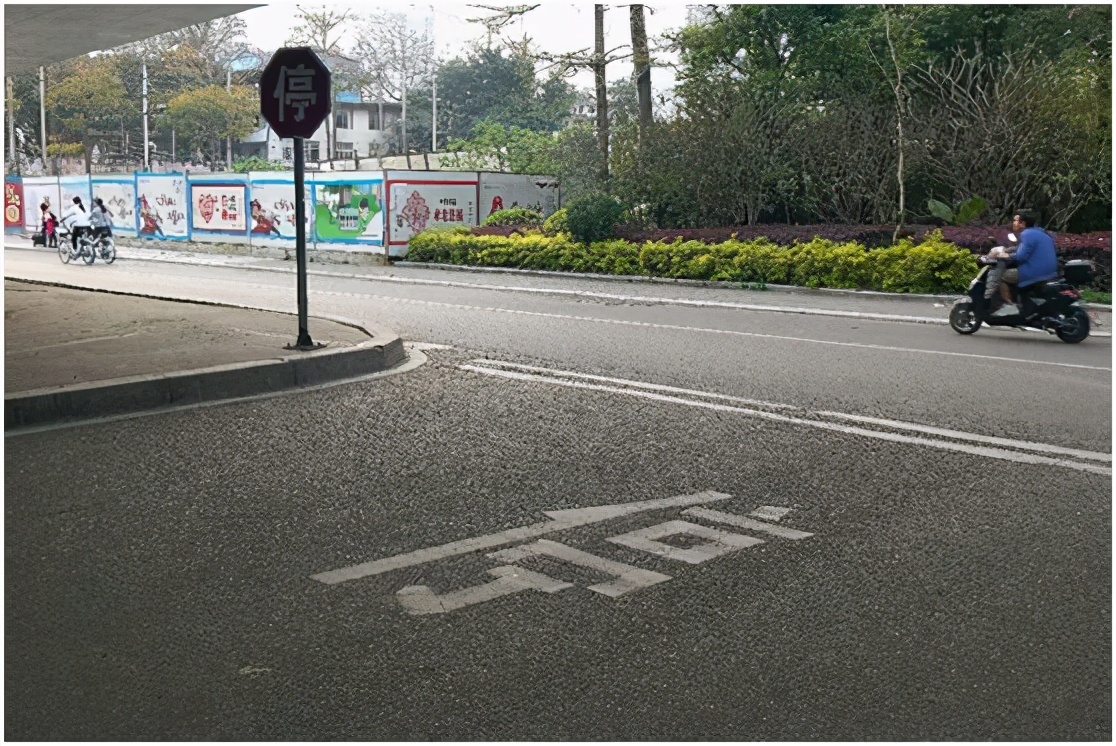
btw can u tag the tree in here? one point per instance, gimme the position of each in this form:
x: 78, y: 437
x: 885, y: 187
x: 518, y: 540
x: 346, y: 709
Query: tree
x: 205, y: 116
x: 641, y: 59
x: 320, y: 28
x: 394, y: 59
x: 88, y: 102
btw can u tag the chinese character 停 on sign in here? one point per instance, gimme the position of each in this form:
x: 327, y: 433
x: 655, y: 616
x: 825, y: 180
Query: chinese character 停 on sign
x: 295, y: 90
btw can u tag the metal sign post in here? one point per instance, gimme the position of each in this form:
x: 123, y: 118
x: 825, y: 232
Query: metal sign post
x: 304, y: 341
x: 295, y: 98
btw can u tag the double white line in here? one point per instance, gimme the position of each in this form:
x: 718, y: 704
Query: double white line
x: 872, y: 427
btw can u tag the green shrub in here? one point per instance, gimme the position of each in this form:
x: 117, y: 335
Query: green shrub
x: 932, y: 266
x: 515, y: 216
x: 593, y: 218
x: 556, y: 223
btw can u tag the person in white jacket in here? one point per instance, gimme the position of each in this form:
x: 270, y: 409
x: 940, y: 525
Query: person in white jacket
x: 77, y: 220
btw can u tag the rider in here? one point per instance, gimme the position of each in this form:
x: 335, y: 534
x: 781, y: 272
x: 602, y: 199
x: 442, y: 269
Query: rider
x: 1033, y: 262
x: 78, y: 221
x: 101, y: 220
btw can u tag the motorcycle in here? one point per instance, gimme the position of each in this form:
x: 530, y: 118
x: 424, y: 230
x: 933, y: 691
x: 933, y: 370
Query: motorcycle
x: 1054, y: 307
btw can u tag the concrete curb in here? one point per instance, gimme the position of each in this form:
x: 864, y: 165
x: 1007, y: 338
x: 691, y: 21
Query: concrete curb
x: 383, y: 350
x: 920, y: 297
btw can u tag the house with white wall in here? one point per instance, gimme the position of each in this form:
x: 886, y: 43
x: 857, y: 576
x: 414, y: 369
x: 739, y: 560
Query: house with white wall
x: 357, y: 129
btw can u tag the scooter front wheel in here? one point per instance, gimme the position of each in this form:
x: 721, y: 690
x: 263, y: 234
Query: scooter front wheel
x: 962, y: 317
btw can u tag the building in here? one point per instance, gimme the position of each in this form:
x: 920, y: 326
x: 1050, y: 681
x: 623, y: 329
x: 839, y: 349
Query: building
x: 357, y: 130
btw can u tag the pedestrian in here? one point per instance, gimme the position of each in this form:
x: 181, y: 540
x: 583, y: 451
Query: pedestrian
x: 50, y: 224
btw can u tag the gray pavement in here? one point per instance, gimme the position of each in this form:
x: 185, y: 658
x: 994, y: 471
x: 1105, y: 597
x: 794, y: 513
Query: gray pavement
x: 75, y: 354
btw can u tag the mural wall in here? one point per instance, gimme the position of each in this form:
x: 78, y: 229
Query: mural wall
x: 13, y: 205
x: 119, y: 196
x: 354, y: 211
x: 219, y: 207
x: 505, y: 191
x: 163, y: 207
x: 418, y: 200
x: 348, y: 209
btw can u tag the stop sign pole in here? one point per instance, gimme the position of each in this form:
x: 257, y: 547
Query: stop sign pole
x: 295, y: 98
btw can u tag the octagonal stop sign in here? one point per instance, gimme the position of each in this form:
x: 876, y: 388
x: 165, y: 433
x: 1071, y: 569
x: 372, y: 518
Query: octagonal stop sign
x: 295, y: 92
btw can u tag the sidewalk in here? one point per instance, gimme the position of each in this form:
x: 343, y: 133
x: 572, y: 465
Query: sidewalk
x: 75, y: 354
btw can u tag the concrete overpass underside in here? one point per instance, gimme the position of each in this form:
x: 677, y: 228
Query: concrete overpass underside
x: 41, y: 34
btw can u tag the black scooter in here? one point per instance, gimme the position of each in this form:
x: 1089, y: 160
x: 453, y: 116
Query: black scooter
x: 1055, y: 306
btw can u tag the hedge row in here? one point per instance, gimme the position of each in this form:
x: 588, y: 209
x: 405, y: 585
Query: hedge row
x: 1096, y: 247
x: 931, y: 266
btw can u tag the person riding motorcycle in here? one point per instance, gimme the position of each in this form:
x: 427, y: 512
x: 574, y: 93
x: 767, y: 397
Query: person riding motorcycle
x: 1033, y: 262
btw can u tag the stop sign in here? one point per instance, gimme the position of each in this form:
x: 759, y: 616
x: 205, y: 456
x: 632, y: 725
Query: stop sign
x: 295, y: 92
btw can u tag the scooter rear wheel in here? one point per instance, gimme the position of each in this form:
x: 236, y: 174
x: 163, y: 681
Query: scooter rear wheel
x: 963, y: 318
x: 1076, y: 327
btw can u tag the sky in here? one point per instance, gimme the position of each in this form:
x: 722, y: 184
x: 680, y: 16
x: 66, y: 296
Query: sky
x: 554, y: 27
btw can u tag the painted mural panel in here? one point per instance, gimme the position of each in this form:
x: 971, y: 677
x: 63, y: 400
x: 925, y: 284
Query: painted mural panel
x: 120, y: 199
x: 162, y: 206
x: 218, y: 207
x: 350, y: 211
x: 13, y: 205
x: 272, y: 209
x: 505, y: 191
x: 36, y: 190
x: 75, y: 186
x: 418, y: 200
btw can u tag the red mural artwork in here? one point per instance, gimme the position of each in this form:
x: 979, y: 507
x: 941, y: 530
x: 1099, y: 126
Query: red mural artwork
x: 13, y: 204
x: 415, y: 212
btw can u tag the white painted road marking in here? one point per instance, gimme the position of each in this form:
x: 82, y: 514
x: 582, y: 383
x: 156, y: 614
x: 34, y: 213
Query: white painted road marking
x: 422, y: 600
x: 559, y: 378
x: 560, y: 521
x: 741, y: 522
x: 716, y: 542
x: 418, y: 599
x: 625, y: 577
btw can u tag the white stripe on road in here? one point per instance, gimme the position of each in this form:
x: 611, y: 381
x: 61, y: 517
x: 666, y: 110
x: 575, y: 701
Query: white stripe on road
x: 996, y: 453
x: 895, y: 424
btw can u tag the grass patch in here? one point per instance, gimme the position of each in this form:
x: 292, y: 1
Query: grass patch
x: 1095, y: 296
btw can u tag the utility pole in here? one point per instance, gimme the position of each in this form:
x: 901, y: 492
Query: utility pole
x: 146, y: 151
x: 11, y: 127
x: 434, y: 115
x: 42, y: 112
x: 228, y: 140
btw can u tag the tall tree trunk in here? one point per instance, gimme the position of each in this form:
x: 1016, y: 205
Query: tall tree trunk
x: 87, y: 145
x: 602, y: 92
x: 642, y: 60
x: 899, y: 125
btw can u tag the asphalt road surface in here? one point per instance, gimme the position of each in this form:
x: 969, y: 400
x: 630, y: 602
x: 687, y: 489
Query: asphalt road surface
x: 577, y: 519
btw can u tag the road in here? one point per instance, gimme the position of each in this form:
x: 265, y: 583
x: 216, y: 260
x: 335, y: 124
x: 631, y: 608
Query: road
x: 806, y: 527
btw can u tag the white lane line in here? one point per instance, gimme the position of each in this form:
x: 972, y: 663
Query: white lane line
x: 996, y: 453
x: 639, y: 384
x: 896, y: 424
x: 560, y: 520
x: 959, y: 435
x: 675, y: 327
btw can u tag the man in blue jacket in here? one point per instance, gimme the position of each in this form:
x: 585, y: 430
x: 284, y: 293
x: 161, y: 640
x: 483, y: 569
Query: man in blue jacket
x: 1034, y: 261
